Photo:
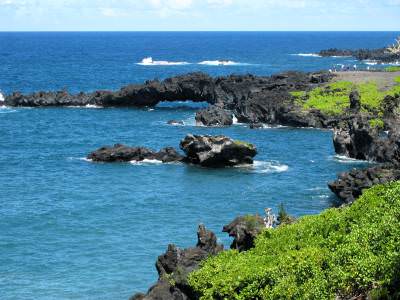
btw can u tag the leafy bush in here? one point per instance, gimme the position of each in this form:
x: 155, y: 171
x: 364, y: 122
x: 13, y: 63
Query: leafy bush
x: 340, y: 252
x: 377, y: 123
x: 333, y: 98
x: 392, y: 69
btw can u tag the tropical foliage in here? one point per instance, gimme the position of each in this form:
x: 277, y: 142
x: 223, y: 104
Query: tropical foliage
x: 342, y: 252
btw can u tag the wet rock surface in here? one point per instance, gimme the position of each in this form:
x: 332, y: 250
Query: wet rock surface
x: 174, y: 266
x: 356, y: 138
x: 350, y: 185
x: 217, y: 151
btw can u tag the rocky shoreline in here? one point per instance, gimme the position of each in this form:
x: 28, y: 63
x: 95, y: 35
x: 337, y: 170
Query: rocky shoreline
x: 380, y: 55
x: 252, y: 100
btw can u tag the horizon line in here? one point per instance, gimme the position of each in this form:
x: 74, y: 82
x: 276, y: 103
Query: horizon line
x: 178, y: 31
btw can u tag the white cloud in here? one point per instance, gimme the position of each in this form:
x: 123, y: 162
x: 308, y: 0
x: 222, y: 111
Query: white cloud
x: 220, y: 2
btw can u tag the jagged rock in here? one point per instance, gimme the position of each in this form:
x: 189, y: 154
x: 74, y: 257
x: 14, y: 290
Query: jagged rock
x: 217, y: 151
x: 256, y: 125
x: 214, y: 116
x: 355, y: 101
x: 380, y: 55
x: 355, y: 138
x: 350, y: 185
x: 252, y: 98
x: 244, y: 230
x: 174, y: 266
x: 176, y: 122
x: 122, y: 153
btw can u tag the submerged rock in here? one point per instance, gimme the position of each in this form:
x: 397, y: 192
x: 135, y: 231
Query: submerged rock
x: 122, y: 153
x: 174, y: 266
x: 176, y: 122
x: 214, y: 116
x: 217, y: 151
x: 244, y: 231
x: 350, y: 185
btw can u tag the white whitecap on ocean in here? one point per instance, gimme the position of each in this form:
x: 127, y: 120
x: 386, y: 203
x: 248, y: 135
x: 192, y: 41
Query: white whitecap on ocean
x: 265, y: 167
x: 148, y: 61
x: 307, y: 54
x: 221, y: 63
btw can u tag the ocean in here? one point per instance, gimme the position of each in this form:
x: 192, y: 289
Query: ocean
x: 72, y: 229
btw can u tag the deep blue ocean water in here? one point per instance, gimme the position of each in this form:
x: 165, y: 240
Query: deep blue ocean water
x: 71, y: 229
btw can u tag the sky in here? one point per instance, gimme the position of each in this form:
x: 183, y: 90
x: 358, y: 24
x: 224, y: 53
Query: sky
x: 202, y: 15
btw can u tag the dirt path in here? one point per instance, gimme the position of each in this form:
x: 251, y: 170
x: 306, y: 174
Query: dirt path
x: 385, y: 80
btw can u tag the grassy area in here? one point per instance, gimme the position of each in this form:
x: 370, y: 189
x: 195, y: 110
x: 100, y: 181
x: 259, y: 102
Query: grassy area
x: 340, y: 252
x: 333, y: 98
x: 392, y: 69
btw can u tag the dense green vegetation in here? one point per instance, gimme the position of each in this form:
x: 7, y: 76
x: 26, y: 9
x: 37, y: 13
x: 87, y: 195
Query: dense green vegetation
x: 341, y: 252
x: 333, y: 98
x: 392, y: 69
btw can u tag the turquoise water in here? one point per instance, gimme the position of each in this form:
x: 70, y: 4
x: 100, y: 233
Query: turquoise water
x: 72, y: 229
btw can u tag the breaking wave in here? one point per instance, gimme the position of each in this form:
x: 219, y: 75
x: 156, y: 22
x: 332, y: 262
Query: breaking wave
x: 146, y: 162
x: 148, y: 61
x: 307, y: 54
x: 265, y: 167
x: 222, y: 63
x: 348, y: 160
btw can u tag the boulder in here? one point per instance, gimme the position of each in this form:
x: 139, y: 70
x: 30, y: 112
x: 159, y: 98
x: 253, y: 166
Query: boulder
x: 214, y: 116
x: 355, y: 138
x: 244, y: 230
x: 176, y: 122
x: 122, y: 153
x: 174, y: 266
x: 217, y: 151
x: 350, y: 185
x: 355, y: 101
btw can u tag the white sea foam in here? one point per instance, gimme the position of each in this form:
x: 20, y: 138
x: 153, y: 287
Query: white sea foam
x: 147, y: 162
x: 307, y: 54
x: 265, y: 167
x: 348, y: 160
x: 148, y: 61
x: 234, y: 119
x: 370, y: 62
x: 93, y: 106
x: 222, y: 63
x: 1, y: 98
x: 80, y: 158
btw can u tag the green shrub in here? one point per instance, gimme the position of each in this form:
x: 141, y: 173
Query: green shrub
x: 377, y: 123
x: 392, y: 69
x: 340, y: 252
x: 333, y: 98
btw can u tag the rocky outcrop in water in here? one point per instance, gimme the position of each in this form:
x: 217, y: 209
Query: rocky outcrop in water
x: 356, y: 138
x: 244, y: 231
x: 217, y: 151
x: 350, y: 185
x: 174, y: 266
x: 122, y: 153
x: 214, y: 116
x: 204, y: 150
x: 252, y: 99
x: 379, y: 55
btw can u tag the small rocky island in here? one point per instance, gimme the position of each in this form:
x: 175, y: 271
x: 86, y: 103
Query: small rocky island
x: 203, y: 150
